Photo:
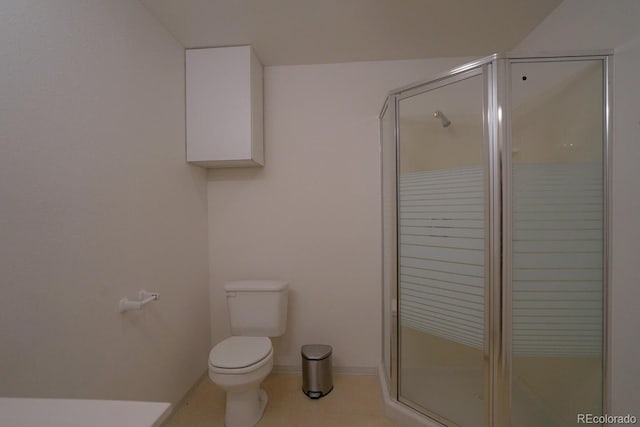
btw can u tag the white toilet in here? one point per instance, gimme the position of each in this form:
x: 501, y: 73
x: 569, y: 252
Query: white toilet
x: 238, y: 364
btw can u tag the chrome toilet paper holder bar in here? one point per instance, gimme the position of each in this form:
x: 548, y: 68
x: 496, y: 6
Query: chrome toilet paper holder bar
x: 144, y: 297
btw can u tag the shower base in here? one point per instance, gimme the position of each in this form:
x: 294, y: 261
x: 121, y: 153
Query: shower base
x: 457, y: 392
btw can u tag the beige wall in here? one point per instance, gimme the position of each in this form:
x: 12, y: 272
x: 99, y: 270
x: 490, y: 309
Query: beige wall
x: 592, y: 24
x: 312, y: 215
x: 96, y: 202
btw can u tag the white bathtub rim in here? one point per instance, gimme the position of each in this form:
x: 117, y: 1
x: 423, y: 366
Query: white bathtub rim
x: 45, y: 412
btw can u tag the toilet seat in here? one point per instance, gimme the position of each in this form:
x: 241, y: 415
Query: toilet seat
x: 237, y: 355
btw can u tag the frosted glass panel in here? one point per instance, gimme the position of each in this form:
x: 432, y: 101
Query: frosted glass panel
x: 557, y: 247
x: 441, y: 244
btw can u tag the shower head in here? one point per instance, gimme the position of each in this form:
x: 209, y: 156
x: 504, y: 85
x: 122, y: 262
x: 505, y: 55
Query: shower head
x: 443, y: 119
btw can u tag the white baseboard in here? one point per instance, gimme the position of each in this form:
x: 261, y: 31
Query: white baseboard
x: 338, y: 370
x: 183, y: 399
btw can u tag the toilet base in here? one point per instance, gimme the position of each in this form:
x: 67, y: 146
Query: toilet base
x: 245, y: 408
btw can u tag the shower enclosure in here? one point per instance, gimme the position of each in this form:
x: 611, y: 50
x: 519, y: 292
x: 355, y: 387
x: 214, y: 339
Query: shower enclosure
x: 495, y: 242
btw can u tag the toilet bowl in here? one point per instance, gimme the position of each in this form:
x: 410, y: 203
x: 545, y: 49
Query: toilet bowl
x: 240, y: 363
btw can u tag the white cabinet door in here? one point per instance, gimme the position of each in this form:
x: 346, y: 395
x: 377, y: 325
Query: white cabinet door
x: 224, y: 107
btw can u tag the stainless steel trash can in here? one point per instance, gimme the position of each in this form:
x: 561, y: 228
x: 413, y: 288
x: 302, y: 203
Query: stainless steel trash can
x: 317, y: 378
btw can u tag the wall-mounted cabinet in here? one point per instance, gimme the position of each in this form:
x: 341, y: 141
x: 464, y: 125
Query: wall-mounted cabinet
x: 224, y: 107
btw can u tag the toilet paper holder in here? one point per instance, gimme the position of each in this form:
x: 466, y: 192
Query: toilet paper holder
x: 144, y: 297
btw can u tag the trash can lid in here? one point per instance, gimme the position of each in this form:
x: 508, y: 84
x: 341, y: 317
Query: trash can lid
x: 316, y: 351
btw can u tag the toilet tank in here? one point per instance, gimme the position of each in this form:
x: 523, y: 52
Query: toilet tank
x: 257, y: 308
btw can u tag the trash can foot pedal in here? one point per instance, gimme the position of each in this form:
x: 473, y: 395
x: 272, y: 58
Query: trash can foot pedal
x: 315, y: 394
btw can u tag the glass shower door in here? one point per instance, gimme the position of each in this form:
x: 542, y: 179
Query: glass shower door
x: 442, y: 205
x: 557, y: 242
x: 497, y: 193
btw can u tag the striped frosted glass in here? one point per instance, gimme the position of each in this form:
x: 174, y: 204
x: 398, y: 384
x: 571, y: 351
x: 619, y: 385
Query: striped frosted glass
x: 557, y: 259
x: 557, y: 256
x: 442, y: 253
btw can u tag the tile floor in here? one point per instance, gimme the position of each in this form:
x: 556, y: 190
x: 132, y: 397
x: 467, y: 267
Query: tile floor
x: 354, y: 401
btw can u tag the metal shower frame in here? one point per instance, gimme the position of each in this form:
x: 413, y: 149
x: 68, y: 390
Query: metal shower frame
x: 495, y: 70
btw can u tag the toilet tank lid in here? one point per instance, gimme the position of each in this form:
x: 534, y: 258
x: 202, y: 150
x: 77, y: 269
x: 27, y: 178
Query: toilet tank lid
x: 256, y: 285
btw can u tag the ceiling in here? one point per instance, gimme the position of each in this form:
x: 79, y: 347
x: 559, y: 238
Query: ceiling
x: 292, y: 32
